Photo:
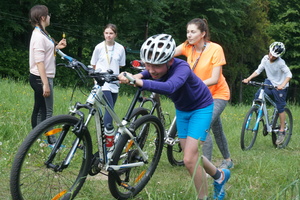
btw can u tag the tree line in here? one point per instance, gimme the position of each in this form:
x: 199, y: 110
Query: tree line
x: 245, y: 29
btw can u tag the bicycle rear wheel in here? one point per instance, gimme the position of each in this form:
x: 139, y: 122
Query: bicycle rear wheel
x: 250, y: 128
x: 129, y: 181
x: 288, y: 128
x: 32, y: 178
x: 174, y: 152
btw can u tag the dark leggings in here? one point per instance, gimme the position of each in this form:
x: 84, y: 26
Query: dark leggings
x: 112, y: 98
x: 43, y: 107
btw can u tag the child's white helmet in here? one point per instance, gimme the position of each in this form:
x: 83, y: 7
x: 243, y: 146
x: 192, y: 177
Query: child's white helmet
x: 158, y: 49
x: 277, y: 49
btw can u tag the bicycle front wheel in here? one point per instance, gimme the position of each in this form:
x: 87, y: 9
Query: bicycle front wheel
x: 174, y: 151
x: 129, y: 181
x: 39, y: 170
x: 250, y: 129
x: 288, y: 128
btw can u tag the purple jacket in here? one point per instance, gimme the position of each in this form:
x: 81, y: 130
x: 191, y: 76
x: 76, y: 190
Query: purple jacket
x: 181, y: 85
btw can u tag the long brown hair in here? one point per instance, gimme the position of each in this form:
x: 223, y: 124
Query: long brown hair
x: 202, y: 25
x: 36, y: 14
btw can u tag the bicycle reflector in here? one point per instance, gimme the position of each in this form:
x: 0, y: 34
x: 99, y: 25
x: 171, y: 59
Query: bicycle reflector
x: 137, y: 63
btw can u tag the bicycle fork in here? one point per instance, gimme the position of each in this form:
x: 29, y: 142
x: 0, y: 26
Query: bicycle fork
x: 79, y: 131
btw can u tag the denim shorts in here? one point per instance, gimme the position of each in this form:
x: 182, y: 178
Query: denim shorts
x: 194, y: 123
x: 279, y: 96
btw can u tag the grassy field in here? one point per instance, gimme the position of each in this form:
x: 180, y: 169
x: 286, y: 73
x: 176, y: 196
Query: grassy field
x: 261, y: 173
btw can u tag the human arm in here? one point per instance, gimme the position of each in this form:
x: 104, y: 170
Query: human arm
x: 288, y: 76
x: 62, y: 44
x: 216, y: 73
x: 283, y: 84
x: 178, y: 50
x: 136, y: 77
x: 254, y: 74
x: 42, y: 72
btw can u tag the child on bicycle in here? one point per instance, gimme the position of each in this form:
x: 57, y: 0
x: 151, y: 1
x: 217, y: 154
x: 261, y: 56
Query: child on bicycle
x: 194, y: 106
x: 278, y: 75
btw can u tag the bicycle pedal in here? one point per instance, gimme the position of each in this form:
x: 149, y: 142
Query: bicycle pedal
x: 170, y: 141
x: 95, y: 165
x: 128, y: 187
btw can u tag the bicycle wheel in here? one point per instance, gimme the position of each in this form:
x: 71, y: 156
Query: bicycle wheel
x: 174, y: 152
x: 128, y: 182
x: 138, y: 112
x: 32, y: 178
x: 288, y: 128
x: 250, y: 128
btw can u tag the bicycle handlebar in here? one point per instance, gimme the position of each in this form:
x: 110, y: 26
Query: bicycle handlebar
x: 130, y: 78
x: 64, y: 56
x: 99, y: 76
x: 260, y: 84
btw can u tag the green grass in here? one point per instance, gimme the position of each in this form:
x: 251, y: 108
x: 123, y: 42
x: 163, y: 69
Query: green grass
x: 261, y: 173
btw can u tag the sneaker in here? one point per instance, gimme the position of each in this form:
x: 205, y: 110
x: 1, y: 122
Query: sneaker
x: 219, y: 190
x: 226, y: 164
x: 280, y: 137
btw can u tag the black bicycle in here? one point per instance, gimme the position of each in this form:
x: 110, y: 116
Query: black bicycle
x: 44, y: 171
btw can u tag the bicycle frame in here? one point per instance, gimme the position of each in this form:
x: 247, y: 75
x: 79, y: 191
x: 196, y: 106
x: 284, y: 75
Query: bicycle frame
x: 155, y: 101
x: 95, y: 103
x: 261, y: 102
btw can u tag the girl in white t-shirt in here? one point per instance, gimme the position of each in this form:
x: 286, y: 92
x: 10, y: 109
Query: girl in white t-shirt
x: 109, y: 54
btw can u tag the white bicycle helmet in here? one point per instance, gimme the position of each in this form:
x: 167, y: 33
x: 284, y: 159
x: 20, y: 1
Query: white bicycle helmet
x: 158, y: 49
x: 277, y: 49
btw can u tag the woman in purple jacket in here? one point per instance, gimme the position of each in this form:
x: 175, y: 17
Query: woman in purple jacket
x: 193, y: 102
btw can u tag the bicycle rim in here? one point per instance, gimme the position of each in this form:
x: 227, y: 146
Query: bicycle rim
x: 30, y: 177
x: 174, y: 152
x: 288, y: 128
x: 128, y: 182
x: 249, y: 129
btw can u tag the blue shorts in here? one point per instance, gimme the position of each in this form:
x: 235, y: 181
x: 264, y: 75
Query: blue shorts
x: 195, y: 123
x: 279, y: 96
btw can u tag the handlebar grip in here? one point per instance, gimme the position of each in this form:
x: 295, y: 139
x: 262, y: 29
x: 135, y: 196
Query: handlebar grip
x: 130, y: 78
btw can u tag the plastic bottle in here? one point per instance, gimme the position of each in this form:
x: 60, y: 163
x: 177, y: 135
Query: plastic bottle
x: 109, y: 135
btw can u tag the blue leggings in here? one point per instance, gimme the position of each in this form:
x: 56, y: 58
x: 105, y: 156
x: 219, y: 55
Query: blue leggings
x: 194, y: 123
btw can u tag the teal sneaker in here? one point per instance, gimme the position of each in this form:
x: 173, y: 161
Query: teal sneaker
x: 219, y: 189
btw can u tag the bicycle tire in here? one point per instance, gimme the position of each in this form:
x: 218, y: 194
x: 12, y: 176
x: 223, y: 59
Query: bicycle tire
x: 32, y: 179
x: 138, y: 112
x: 288, y: 128
x: 174, y: 152
x: 136, y: 178
x: 248, y: 134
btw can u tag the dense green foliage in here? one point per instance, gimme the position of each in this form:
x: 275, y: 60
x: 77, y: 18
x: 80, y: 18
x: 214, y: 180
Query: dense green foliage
x: 244, y: 29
